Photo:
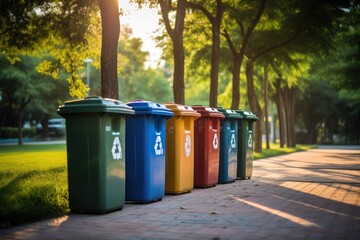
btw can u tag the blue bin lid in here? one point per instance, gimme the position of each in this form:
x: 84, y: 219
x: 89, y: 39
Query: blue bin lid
x: 229, y: 113
x: 147, y: 107
x: 94, y: 105
x: 208, y: 111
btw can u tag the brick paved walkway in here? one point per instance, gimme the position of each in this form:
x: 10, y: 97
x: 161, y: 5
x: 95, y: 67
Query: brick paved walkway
x: 306, y: 195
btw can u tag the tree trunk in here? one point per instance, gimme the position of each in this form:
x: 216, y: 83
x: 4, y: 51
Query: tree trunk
x: 274, y: 128
x: 292, y: 116
x: 280, y: 110
x: 45, y: 126
x: 110, y: 36
x: 20, y: 133
x: 179, y: 58
x: 266, y: 96
x: 22, y: 106
x: 215, y: 48
x: 289, y: 103
x: 176, y: 36
x: 215, y: 57
x: 235, y: 101
x: 254, y: 105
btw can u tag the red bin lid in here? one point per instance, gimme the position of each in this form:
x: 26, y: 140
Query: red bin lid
x: 208, y: 111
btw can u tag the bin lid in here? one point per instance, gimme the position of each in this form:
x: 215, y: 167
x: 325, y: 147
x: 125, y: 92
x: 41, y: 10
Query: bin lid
x: 147, y: 107
x: 182, y: 110
x: 247, y: 115
x: 94, y: 105
x: 208, y: 111
x: 228, y: 113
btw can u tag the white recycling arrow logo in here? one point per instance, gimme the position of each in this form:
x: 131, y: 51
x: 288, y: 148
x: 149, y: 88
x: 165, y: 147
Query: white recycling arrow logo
x: 250, y: 141
x: 233, y: 141
x: 215, y: 141
x: 187, y: 145
x: 116, y: 149
x: 159, y: 150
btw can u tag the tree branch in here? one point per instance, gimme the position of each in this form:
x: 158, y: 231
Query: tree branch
x: 279, y: 45
x: 242, y: 31
x: 166, y: 7
x: 197, y: 6
x: 230, y: 43
x: 252, y: 26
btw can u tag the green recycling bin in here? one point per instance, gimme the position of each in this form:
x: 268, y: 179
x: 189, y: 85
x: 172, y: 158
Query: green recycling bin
x: 246, y: 144
x: 95, y: 136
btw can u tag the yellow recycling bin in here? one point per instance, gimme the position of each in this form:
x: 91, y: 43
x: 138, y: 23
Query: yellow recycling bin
x: 179, y: 174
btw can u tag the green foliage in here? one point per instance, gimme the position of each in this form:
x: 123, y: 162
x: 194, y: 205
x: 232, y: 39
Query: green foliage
x: 67, y: 30
x: 8, y: 132
x: 148, y: 85
x: 330, y: 101
x: 136, y: 82
x: 25, y: 91
x: 20, y: 84
x: 33, y: 183
x: 21, y: 26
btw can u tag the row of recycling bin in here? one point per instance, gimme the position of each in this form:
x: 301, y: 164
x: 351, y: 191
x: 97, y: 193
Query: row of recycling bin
x: 168, y: 149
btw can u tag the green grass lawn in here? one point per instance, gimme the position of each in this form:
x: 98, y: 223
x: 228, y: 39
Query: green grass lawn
x: 275, y: 150
x: 33, y: 181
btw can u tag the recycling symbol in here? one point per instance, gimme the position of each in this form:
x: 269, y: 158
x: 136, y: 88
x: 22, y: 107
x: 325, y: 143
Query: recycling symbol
x: 215, y: 141
x: 187, y: 145
x: 233, y: 141
x: 116, y: 149
x: 158, y: 145
x: 250, y: 141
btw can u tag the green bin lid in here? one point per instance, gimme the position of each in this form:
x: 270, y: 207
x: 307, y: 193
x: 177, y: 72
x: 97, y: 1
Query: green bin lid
x: 94, y: 105
x: 247, y: 115
x: 182, y: 110
x: 229, y: 113
x: 147, y: 107
x: 208, y: 111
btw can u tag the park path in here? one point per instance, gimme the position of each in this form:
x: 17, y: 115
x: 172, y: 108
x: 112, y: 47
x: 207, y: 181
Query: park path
x: 306, y: 195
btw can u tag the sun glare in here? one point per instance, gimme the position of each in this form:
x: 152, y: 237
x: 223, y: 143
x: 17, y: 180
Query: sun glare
x: 287, y: 216
x: 144, y: 22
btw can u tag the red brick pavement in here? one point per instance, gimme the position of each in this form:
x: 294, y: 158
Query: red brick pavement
x: 306, y: 195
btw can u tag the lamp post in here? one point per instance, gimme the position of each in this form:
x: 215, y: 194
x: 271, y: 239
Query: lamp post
x: 88, y: 61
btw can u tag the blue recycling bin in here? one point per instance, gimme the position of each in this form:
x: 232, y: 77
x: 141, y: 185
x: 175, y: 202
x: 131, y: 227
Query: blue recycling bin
x: 228, y: 145
x: 145, y: 151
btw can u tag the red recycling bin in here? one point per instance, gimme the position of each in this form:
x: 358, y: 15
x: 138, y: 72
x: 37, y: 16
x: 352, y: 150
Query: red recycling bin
x: 207, y: 145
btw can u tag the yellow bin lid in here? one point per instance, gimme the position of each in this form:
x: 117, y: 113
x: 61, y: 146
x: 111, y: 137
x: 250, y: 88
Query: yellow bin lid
x: 182, y: 110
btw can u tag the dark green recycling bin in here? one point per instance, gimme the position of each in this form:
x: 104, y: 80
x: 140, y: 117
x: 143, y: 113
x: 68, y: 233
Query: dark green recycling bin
x: 95, y: 136
x: 228, y: 146
x: 246, y: 144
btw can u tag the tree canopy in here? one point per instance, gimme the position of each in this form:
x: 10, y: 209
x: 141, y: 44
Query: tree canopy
x: 219, y: 53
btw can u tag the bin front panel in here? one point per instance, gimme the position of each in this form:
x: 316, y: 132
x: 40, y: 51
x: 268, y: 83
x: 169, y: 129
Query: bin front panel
x: 228, y: 150
x: 213, y: 146
x: 145, y: 165
x: 246, y: 144
x: 115, y: 155
x: 249, y: 146
x: 96, y: 161
x: 207, y: 144
x: 201, y: 153
x: 243, y: 136
x: 179, y: 154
